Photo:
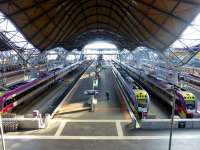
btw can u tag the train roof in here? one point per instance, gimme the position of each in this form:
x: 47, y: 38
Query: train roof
x: 16, y: 85
x: 188, y: 96
x: 141, y: 94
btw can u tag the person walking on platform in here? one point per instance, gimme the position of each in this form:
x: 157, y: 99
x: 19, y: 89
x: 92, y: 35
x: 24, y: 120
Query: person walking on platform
x: 107, y: 96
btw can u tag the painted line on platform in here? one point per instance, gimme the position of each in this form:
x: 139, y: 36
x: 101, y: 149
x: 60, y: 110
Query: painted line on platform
x: 60, y: 129
x: 119, y: 128
x: 177, y: 137
x: 66, y: 98
x: 87, y: 120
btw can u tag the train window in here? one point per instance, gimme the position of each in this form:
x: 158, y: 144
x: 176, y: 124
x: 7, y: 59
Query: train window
x: 5, y: 104
x: 9, y: 101
x: 143, y: 105
x: 190, y: 105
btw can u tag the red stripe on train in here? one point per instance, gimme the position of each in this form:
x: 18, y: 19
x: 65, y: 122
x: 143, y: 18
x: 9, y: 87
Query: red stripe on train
x: 7, y: 108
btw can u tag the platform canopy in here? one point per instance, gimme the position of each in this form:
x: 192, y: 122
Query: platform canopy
x: 74, y: 23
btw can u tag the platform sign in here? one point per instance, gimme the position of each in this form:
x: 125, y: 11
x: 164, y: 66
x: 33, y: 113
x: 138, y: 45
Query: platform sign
x: 95, y: 83
x: 98, y: 69
x: 184, y: 85
x: 181, y: 124
x: 91, y: 92
x: 94, y: 101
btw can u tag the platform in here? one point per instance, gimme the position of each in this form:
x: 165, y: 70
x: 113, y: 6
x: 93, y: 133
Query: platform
x: 98, y: 135
x: 106, y: 128
x: 114, y: 108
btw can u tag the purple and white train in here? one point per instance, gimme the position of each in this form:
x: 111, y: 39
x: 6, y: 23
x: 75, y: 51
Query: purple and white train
x: 12, y: 98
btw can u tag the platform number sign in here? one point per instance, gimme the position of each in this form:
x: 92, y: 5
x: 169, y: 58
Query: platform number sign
x: 181, y: 124
x: 95, y: 83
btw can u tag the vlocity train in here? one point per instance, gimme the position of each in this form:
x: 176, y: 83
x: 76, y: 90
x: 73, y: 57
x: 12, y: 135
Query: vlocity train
x: 186, y: 102
x: 12, y: 98
x: 139, y: 98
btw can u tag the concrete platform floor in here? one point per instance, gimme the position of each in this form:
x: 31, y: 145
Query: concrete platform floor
x: 63, y: 144
x: 114, y: 108
x: 98, y: 135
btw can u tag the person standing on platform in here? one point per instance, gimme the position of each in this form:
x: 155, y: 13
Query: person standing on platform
x: 107, y: 96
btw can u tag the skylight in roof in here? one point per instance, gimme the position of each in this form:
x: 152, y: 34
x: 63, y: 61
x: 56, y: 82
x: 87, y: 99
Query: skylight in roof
x: 11, y: 32
x: 100, y: 45
x: 191, y: 36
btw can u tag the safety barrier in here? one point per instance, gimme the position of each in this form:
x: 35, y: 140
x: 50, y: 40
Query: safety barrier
x: 8, y: 115
x: 10, y: 125
x: 166, y: 123
x: 14, y: 124
x: 11, y: 122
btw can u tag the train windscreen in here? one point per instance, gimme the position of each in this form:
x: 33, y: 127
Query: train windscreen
x: 190, y: 105
x: 142, y: 103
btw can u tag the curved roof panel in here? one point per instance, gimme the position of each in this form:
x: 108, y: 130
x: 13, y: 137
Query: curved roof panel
x: 128, y: 23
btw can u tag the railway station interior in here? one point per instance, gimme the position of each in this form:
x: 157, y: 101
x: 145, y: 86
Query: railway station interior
x: 100, y: 74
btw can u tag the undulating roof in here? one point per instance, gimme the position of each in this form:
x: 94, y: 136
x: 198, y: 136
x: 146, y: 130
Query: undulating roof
x: 74, y: 23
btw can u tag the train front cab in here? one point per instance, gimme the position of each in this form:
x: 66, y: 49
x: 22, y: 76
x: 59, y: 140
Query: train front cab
x: 142, y: 98
x: 186, y: 105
